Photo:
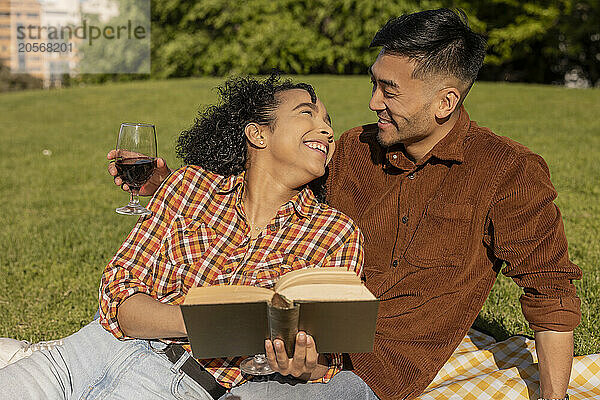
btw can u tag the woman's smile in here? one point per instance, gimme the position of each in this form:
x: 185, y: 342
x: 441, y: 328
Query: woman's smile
x: 319, y: 146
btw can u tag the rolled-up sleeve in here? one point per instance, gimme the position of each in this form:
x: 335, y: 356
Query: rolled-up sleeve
x: 131, y: 270
x: 528, y: 234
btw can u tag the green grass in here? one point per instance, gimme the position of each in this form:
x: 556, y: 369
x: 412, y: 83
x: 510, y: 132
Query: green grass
x: 59, y: 228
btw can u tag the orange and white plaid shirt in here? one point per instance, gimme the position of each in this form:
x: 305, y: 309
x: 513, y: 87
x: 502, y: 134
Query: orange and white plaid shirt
x: 198, y: 235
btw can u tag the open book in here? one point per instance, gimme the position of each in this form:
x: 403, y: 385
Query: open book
x: 330, y: 304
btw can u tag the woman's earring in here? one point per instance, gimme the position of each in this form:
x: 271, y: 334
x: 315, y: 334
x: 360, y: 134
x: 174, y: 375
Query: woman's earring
x: 262, y: 142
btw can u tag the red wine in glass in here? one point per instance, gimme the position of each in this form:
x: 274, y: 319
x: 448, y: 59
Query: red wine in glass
x: 135, y: 171
x: 135, y: 161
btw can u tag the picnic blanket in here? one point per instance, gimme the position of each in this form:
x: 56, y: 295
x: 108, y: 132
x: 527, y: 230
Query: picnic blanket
x: 482, y: 368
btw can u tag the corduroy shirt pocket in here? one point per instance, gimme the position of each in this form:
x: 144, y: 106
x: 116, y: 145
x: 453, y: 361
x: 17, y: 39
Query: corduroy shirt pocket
x: 188, y: 239
x: 441, y: 237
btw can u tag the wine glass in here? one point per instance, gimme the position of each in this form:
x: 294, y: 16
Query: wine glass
x: 135, y: 162
x: 256, y: 365
x: 283, y: 320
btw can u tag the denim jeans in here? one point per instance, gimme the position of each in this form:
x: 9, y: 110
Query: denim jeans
x: 93, y: 364
x: 344, y: 386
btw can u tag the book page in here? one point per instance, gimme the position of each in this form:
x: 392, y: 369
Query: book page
x: 227, y: 294
x: 327, y: 292
x: 309, y: 276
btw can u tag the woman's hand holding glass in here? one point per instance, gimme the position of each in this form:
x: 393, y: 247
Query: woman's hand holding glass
x: 159, y: 174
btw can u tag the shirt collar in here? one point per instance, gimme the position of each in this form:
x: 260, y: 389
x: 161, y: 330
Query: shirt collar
x: 230, y: 183
x: 450, y: 148
x: 304, y: 202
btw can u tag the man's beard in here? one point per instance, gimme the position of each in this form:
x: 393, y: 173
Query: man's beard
x: 413, y: 129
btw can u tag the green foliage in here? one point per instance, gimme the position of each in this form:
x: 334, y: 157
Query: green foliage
x: 60, y: 228
x: 216, y: 37
x: 532, y: 41
x: 527, y: 41
x: 538, y: 41
x: 116, y: 59
x: 511, y: 26
x: 10, y: 82
x: 579, y: 40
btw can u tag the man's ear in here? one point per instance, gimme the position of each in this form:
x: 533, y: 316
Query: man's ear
x: 255, y: 136
x: 449, y: 99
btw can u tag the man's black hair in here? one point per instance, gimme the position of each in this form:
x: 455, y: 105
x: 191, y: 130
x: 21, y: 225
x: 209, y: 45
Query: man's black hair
x: 440, y: 42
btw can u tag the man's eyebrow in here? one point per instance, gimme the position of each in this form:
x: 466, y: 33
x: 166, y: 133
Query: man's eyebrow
x: 384, y: 81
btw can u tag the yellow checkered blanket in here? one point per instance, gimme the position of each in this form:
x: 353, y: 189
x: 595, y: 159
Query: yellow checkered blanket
x: 482, y: 368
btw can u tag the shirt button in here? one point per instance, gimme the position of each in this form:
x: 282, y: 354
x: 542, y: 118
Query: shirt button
x: 404, y: 219
x: 411, y: 176
x: 228, y: 271
x: 395, y: 263
x: 394, y: 156
x: 271, y: 228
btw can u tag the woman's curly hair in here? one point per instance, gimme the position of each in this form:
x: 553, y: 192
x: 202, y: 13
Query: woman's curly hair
x: 216, y: 141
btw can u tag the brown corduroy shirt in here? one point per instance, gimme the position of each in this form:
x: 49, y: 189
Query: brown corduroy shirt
x: 437, y: 232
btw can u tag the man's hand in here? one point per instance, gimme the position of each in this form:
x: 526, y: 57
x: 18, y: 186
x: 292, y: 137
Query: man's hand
x: 158, y: 176
x: 305, y: 364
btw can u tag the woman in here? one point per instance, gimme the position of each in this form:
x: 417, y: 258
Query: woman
x: 241, y: 212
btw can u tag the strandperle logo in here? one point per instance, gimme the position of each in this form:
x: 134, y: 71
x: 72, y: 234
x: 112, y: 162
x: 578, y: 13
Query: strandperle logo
x: 87, y: 31
x: 51, y: 38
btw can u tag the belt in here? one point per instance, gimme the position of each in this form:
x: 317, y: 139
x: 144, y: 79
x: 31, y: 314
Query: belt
x: 195, y: 371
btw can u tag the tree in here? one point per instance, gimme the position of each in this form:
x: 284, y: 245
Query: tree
x: 10, y: 82
x: 531, y: 41
x: 217, y: 37
x: 579, y: 41
x: 538, y: 41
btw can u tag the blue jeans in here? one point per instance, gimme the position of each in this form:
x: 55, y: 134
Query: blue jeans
x: 344, y: 386
x: 93, y: 364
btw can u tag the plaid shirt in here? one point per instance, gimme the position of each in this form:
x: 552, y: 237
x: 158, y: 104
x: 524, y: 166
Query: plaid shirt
x: 198, y: 235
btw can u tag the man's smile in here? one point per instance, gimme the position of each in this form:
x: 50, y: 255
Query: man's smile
x: 384, y: 122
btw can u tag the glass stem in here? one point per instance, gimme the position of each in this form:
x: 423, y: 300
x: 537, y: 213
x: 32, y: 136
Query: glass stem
x: 134, y: 199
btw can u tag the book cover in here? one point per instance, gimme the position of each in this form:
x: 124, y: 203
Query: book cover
x: 330, y: 304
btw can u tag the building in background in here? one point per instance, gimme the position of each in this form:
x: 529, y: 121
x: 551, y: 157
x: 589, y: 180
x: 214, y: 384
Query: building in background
x: 59, y: 13
x: 50, y: 66
x: 19, y: 13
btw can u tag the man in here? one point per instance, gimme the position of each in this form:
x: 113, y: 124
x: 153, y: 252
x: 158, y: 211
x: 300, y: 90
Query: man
x: 444, y: 205
x: 450, y: 202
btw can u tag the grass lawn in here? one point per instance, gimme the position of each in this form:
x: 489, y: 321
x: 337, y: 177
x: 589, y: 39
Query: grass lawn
x: 60, y: 228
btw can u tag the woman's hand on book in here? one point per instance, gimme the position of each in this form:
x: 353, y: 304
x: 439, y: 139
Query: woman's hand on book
x: 305, y: 363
